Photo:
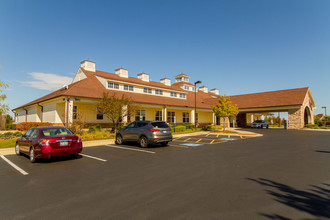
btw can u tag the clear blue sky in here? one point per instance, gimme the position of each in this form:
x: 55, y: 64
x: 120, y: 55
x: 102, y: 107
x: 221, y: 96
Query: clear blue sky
x: 238, y: 47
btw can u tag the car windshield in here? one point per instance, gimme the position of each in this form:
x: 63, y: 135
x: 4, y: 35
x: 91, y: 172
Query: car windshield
x: 56, y: 131
x: 258, y: 121
x: 159, y: 124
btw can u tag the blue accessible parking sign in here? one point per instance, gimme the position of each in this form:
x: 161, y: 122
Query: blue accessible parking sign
x: 227, y: 139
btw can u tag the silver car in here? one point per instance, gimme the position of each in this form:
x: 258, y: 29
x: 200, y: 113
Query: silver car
x: 145, y: 133
x: 259, y: 124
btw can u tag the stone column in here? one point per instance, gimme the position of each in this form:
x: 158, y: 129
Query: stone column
x: 124, y: 112
x: 213, y: 119
x: 68, y: 111
x: 192, y: 116
x: 296, y: 118
x: 165, y: 114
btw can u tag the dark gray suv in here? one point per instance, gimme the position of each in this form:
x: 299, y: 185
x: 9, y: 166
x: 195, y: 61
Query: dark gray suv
x: 145, y: 133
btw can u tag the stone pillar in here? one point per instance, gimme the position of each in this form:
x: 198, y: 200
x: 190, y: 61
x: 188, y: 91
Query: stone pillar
x: 68, y: 111
x: 213, y: 119
x: 252, y: 118
x: 296, y: 118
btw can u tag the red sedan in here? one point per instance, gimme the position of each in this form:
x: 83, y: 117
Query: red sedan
x: 47, y: 142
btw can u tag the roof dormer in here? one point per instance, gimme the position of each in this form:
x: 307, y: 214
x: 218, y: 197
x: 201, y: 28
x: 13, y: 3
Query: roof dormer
x: 182, y: 78
x: 143, y: 77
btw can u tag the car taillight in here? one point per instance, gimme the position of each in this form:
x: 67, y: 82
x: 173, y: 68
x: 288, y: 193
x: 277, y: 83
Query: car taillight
x: 153, y: 130
x: 79, y: 140
x: 170, y: 129
x: 44, y: 142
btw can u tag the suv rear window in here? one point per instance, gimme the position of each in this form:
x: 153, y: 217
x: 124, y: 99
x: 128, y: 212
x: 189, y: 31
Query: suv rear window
x: 160, y: 124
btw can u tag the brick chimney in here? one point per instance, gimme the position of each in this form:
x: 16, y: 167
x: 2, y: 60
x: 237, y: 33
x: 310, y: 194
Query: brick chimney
x: 166, y: 81
x: 122, y: 72
x: 88, y: 65
x: 143, y: 77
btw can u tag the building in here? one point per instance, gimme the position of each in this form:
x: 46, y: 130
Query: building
x: 158, y: 100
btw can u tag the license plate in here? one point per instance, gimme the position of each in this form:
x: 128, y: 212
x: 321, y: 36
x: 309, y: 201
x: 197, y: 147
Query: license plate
x: 64, y: 143
x: 165, y: 132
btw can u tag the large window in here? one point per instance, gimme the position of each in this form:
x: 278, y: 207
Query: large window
x: 74, y: 112
x: 147, y: 90
x: 128, y: 88
x: 140, y: 115
x: 99, y: 114
x: 186, y: 87
x: 185, y: 117
x: 113, y: 85
x: 174, y: 94
x: 183, y: 96
x: 158, y: 116
x: 159, y: 92
x: 170, y: 117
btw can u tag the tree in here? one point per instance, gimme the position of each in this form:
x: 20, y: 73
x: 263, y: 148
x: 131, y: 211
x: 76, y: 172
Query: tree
x: 115, y: 108
x: 224, y: 108
x: 3, y: 108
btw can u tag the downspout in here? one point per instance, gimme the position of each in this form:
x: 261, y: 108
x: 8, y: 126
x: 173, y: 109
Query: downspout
x: 15, y: 115
x: 42, y: 112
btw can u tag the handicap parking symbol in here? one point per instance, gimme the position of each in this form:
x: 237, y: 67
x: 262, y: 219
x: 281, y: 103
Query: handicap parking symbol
x: 192, y: 145
x: 227, y: 139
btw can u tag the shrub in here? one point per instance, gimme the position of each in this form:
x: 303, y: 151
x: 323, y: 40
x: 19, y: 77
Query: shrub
x: 17, y: 133
x: 91, y: 129
x: 180, y: 128
x: 24, y: 126
x: 7, y: 134
x: 189, y: 126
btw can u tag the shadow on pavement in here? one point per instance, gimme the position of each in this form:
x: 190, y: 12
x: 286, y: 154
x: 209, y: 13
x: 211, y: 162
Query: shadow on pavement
x: 322, y: 151
x: 315, y: 201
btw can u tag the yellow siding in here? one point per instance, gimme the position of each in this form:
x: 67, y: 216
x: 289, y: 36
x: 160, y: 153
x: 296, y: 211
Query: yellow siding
x: 204, y: 117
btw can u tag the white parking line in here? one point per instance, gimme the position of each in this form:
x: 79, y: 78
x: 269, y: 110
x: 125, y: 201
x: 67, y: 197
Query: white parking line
x: 96, y: 158
x: 14, y: 165
x: 126, y: 148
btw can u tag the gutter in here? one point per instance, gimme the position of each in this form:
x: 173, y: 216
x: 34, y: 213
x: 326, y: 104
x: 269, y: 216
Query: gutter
x: 42, y: 112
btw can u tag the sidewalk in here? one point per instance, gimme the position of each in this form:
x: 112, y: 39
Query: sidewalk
x: 8, y: 151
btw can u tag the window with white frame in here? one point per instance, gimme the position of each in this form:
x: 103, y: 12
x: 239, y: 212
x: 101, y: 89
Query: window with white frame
x: 128, y: 88
x: 140, y: 115
x: 158, y: 115
x: 174, y: 94
x: 112, y: 85
x: 178, y: 79
x: 186, y: 79
x: 99, y: 114
x: 186, y: 87
x: 159, y: 92
x: 170, y: 117
x: 185, y: 117
x: 183, y: 96
x: 147, y: 90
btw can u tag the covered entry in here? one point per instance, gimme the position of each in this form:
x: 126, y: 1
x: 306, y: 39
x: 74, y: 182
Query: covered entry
x: 298, y: 103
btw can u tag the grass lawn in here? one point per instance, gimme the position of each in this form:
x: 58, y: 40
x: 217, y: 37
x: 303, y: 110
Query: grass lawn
x: 8, y: 143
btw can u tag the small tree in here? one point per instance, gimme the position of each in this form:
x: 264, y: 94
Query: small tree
x: 3, y: 108
x: 115, y: 108
x: 224, y: 108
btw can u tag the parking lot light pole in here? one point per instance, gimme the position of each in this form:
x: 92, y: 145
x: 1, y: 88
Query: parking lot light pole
x: 195, y: 103
x: 325, y: 110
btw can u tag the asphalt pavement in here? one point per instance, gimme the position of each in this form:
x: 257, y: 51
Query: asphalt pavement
x: 284, y: 174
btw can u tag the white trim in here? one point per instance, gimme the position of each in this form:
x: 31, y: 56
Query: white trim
x: 14, y: 165
x: 95, y: 158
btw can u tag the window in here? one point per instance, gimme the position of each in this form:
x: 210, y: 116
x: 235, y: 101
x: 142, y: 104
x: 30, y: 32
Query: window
x: 185, y: 117
x: 132, y: 125
x: 28, y: 133
x: 74, y: 112
x: 35, y: 133
x: 158, y: 116
x: 160, y: 124
x: 186, y: 79
x: 128, y: 88
x: 140, y: 115
x: 159, y: 92
x: 174, y: 94
x: 147, y: 90
x: 99, y: 114
x: 170, y: 117
x: 186, y: 87
x: 113, y: 85
x: 56, y: 131
x: 178, y: 79
x: 182, y: 96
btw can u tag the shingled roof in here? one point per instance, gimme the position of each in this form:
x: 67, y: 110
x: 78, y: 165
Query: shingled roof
x: 91, y: 87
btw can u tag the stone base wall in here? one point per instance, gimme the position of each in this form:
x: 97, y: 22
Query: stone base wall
x: 296, y: 119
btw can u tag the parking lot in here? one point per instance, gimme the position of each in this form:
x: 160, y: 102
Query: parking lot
x: 206, y: 176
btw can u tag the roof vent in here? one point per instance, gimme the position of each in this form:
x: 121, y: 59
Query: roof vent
x: 215, y: 91
x: 143, y: 77
x: 204, y: 89
x: 88, y: 65
x: 166, y: 81
x: 122, y: 72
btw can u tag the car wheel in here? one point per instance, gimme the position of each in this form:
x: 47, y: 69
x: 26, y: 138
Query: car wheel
x: 119, y: 139
x: 17, y: 151
x: 143, y: 142
x: 164, y: 143
x: 32, y: 155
